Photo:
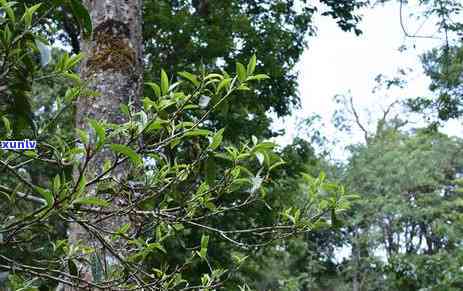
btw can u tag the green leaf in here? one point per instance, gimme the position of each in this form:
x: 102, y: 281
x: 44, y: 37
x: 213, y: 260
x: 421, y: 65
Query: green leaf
x: 92, y: 201
x: 158, y: 246
x: 100, y: 133
x: 198, y: 132
x: 56, y: 184
x: 252, y: 65
x: 258, y: 77
x: 7, y: 125
x: 204, y: 245
x: 9, y: 11
x: 213, y: 76
x: 165, y: 103
x: 190, y: 77
x: 7, y: 34
x: 47, y: 195
x: 217, y: 139
x: 83, y: 135
x: 27, y: 17
x: 263, y: 146
x: 243, y: 87
x: 164, y: 83
x: 241, y: 71
x: 128, y: 152
x: 31, y: 154
x: 156, y: 88
x: 125, y: 109
x: 277, y: 164
x: 81, y: 185
x: 73, y: 61
x: 72, y: 76
x: 123, y: 229
x: 178, y: 226
x: 156, y: 125
x: 223, y: 84
x: 82, y: 16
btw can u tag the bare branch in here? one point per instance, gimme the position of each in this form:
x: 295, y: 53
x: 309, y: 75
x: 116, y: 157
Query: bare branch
x: 357, y: 120
x: 402, y: 25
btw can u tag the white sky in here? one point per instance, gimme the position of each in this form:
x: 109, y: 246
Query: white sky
x: 337, y: 62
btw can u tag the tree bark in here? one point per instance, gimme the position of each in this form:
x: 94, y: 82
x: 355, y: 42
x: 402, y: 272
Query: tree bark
x: 113, y: 68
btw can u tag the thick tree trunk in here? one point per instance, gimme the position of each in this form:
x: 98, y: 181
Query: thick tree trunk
x: 113, y: 68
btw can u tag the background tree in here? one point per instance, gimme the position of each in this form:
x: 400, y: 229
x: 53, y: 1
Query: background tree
x: 407, y: 214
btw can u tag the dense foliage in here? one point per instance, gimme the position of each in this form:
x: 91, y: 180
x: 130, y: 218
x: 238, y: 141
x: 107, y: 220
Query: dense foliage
x: 206, y: 200
x: 187, y: 188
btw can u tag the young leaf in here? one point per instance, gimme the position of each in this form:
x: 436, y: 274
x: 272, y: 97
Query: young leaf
x: 83, y: 135
x: 9, y: 11
x: 56, y: 184
x: 121, y: 231
x: 223, y: 84
x: 164, y: 83
x: 158, y: 246
x: 7, y: 125
x: 156, y: 88
x: 128, y: 152
x: 92, y: 201
x: 241, y: 71
x: 198, y: 132
x: 27, y: 17
x: 190, y: 77
x: 277, y: 164
x: 73, y: 61
x: 204, y: 245
x: 47, y: 195
x: 81, y: 186
x: 217, y: 139
x: 100, y: 133
x: 252, y: 65
x: 258, y: 77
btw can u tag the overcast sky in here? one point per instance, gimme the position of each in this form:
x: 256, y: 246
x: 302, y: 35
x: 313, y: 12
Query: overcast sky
x: 338, y: 62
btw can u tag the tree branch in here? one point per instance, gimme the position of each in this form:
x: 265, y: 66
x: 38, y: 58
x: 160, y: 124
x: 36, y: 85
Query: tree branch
x: 357, y: 120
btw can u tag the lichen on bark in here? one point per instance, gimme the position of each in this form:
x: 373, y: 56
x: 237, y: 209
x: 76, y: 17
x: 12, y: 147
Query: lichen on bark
x: 111, y: 48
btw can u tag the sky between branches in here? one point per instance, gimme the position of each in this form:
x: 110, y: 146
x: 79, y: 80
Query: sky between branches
x: 338, y: 62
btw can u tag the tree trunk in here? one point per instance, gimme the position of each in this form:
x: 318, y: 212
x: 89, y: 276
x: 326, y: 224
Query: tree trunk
x: 356, y: 260
x: 113, y: 68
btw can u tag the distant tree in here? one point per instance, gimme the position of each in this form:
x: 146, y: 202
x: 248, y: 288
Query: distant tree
x: 404, y: 230
x: 441, y: 64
